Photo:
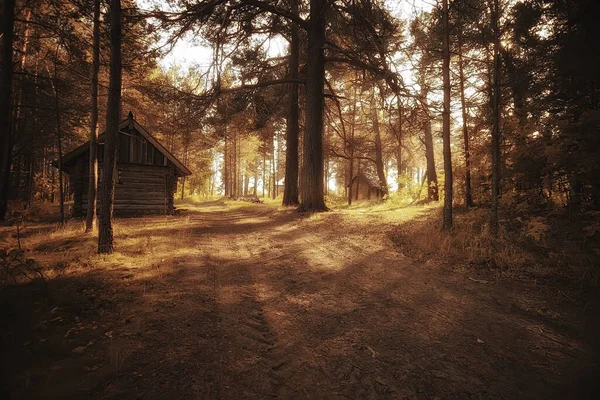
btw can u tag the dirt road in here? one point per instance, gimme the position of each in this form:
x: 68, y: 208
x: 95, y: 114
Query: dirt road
x: 261, y: 303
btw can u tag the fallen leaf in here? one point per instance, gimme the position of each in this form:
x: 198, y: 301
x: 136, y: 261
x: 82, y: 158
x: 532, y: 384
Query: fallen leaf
x: 480, y: 341
x: 79, y: 349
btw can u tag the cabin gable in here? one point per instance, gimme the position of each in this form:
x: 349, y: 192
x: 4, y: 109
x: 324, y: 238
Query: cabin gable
x: 145, y: 179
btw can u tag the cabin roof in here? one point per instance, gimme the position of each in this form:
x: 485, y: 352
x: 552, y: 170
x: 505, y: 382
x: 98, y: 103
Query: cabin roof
x: 182, y: 169
x: 367, y: 178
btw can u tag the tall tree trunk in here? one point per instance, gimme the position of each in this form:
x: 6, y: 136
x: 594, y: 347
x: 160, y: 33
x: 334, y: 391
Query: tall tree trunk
x: 93, y: 168
x: 238, y: 165
x: 185, y: 160
x: 105, y: 231
x: 357, y: 181
x: 274, y: 172
x: 20, y: 177
x: 6, y: 78
x: 225, y: 162
x: 446, y: 121
x: 378, y: 147
x: 290, y: 191
x: 399, y: 149
x: 350, y: 144
x: 432, y: 181
x: 465, y: 115
x: 61, y: 189
x: 311, y: 180
x: 52, y: 183
x: 496, y: 121
x: 264, y: 170
x: 234, y: 176
x: 326, y: 145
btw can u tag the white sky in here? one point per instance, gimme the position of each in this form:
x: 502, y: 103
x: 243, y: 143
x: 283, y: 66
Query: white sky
x: 189, y: 52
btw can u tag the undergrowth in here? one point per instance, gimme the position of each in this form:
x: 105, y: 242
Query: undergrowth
x: 546, y: 247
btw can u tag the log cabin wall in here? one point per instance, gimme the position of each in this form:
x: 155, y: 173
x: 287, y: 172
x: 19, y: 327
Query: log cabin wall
x: 141, y: 186
x: 146, y: 176
x: 142, y: 189
x: 366, y: 191
x: 139, y: 190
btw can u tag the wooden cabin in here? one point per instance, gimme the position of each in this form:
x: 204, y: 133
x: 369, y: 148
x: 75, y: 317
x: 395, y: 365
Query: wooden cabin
x: 368, y: 187
x: 146, y: 175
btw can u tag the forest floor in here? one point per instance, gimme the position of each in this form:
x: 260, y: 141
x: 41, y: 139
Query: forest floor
x: 238, y: 300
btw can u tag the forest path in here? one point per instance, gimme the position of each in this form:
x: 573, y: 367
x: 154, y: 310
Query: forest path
x: 255, y: 302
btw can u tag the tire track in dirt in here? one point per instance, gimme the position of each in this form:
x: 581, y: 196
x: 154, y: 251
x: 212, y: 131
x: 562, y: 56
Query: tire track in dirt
x: 266, y: 364
x: 305, y: 311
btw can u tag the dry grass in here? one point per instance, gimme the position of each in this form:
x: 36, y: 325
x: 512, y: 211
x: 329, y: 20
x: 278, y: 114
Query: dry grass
x: 536, y: 247
x: 185, y: 295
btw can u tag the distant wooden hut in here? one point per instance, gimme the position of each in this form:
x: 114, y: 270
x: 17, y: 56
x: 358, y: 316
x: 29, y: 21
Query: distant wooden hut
x: 365, y: 187
x: 146, y: 175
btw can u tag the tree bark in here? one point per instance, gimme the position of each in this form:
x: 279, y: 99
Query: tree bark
x: 495, y: 121
x: 399, y: 149
x: 290, y: 191
x: 351, y: 148
x: 61, y: 189
x: 225, y: 162
x: 446, y: 121
x: 264, y: 170
x: 274, y: 171
x: 6, y: 78
x: 311, y: 181
x: 234, y: 170
x: 463, y: 105
x: 105, y: 231
x: 432, y: 181
x: 93, y: 168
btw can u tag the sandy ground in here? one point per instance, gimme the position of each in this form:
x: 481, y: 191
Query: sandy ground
x: 254, y: 302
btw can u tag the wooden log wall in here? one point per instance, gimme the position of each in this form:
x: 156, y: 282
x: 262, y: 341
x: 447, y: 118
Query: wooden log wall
x: 140, y: 189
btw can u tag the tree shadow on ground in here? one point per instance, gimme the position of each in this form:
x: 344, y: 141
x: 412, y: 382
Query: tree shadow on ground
x: 277, y: 317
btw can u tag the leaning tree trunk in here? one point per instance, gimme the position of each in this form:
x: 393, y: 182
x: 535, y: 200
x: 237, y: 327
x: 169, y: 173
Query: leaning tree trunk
x: 105, y: 231
x: 290, y: 191
x: 446, y: 122
x: 311, y: 180
x: 6, y: 77
x: 463, y: 105
x: 93, y: 169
